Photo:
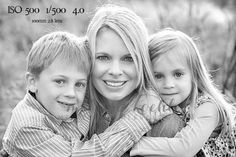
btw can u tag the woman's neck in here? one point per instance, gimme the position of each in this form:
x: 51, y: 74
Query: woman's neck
x: 116, y: 108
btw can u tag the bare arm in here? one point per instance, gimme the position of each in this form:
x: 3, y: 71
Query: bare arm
x: 188, y: 141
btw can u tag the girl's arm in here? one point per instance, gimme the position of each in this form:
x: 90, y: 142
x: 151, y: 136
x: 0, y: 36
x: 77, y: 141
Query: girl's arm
x: 188, y: 141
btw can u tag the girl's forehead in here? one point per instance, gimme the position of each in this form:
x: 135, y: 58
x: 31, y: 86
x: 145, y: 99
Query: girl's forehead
x: 173, y: 56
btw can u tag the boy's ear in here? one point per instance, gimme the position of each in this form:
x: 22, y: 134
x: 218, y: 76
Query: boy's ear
x: 31, y: 81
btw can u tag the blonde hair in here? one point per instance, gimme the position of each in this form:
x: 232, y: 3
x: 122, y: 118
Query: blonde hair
x: 133, y: 32
x: 169, y: 39
x: 68, y: 47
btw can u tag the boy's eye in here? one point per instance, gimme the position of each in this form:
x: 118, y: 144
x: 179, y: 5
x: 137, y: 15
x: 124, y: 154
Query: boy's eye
x: 158, y: 76
x: 178, y: 74
x: 102, y: 58
x: 60, y: 82
x: 128, y: 59
x: 80, y: 85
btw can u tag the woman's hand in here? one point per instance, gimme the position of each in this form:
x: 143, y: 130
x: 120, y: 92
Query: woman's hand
x: 152, y: 107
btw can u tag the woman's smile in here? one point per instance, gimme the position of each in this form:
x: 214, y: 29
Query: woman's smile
x: 115, y: 83
x: 114, y: 74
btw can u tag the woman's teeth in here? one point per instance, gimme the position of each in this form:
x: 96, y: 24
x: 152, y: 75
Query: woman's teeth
x: 115, y: 84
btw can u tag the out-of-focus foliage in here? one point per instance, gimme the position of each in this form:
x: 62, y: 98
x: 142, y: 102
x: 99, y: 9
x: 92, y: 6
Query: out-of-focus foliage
x: 210, y: 23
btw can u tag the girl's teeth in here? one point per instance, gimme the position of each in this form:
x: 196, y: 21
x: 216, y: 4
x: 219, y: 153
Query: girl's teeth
x: 114, y: 84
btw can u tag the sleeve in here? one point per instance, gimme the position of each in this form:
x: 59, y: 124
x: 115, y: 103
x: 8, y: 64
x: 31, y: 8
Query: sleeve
x: 185, y: 143
x: 115, y: 141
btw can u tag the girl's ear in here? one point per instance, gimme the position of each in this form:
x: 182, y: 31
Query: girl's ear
x: 31, y: 82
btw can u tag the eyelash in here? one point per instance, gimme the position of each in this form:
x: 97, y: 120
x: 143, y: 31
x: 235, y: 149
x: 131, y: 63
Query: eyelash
x: 60, y: 82
x: 81, y: 85
x: 128, y: 59
x: 102, y: 57
x: 178, y: 73
x: 158, y: 76
x: 77, y: 85
x: 105, y: 58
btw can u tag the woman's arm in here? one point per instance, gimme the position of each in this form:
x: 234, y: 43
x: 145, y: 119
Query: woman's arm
x: 188, y: 141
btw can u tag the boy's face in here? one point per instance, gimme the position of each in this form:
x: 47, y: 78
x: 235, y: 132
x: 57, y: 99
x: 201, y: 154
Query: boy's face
x: 60, y: 88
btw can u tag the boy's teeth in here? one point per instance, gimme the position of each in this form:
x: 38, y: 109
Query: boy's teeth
x: 65, y: 104
x: 114, y: 84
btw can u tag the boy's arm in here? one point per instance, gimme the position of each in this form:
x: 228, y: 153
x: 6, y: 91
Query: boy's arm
x: 115, y: 141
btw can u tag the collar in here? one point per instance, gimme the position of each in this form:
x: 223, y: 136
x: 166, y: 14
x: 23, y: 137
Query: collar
x: 31, y: 100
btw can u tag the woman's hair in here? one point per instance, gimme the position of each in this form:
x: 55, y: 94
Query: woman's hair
x: 169, y: 39
x: 133, y: 32
x: 70, y: 48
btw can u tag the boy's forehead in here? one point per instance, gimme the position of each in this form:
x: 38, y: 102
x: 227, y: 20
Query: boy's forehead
x: 61, y: 64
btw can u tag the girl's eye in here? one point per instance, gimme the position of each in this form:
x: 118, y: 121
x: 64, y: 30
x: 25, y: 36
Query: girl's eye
x: 178, y: 74
x: 103, y: 58
x: 128, y: 59
x: 80, y: 85
x: 158, y: 76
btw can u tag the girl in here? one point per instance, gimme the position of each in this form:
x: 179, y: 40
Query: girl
x: 182, y: 78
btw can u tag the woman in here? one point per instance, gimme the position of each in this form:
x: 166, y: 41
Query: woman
x: 121, y: 70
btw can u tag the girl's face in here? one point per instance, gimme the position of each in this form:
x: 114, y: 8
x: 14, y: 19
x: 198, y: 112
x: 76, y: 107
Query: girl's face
x: 114, y: 74
x: 173, y: 77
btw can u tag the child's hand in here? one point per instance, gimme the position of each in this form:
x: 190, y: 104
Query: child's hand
x: 152, y: 107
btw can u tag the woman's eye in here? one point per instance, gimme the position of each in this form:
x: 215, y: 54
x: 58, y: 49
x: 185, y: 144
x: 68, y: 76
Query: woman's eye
x: 178, y: 74
x: 103, y: 58
x: 128, y: 59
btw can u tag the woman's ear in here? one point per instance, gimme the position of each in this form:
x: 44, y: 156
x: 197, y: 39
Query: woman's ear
x: 31, y: 82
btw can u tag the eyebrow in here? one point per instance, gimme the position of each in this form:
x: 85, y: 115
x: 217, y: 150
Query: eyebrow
x: 179, y: 69
x: 128, y: 55
x: 63, y: 76
x: 101, y: 52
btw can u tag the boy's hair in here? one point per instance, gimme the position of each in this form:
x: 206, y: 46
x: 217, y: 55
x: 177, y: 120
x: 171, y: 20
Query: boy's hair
x: 63, y: 45
x: 169, y: 39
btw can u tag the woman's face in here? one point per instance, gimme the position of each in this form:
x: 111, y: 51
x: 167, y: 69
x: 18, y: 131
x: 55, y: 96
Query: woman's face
x: 114, y: 74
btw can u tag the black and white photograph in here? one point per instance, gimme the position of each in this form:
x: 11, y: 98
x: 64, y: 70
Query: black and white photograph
x: 117, y: 78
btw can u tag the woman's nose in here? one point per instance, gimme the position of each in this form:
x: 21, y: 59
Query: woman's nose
x: 115, y: 69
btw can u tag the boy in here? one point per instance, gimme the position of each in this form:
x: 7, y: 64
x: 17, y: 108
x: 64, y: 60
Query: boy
x: 53, y: 118
x: 58, y: 66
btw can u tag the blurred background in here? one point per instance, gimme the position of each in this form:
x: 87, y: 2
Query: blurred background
x: 210, y: 22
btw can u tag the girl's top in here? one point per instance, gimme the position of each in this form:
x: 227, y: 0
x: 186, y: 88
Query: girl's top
x: 187, y: 143
x: 219, y: 144
x: 33, y: 131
